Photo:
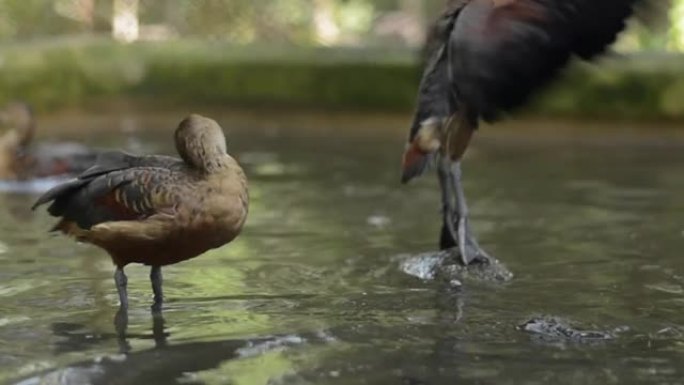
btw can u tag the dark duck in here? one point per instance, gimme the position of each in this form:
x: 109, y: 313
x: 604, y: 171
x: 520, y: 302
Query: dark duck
x: 156, y: 210
x: 485, y: 58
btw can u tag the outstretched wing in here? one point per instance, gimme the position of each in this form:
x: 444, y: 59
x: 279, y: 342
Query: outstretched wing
x: 486, y: 57
x: 118, y: 187
x: 500, y: 52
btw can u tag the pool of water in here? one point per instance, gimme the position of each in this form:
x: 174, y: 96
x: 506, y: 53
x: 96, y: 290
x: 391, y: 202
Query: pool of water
x: 315, y: 290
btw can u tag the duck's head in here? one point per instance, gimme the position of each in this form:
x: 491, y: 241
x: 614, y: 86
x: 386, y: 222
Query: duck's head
x: 18, y: 116
x: 200, y: 142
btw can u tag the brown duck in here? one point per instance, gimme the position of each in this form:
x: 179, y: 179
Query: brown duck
x: 21, y: 158
x: 156, y: 210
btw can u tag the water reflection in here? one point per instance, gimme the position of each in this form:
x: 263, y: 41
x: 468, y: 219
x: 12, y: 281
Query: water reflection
x: 592, y: 231
x: 164, y: 363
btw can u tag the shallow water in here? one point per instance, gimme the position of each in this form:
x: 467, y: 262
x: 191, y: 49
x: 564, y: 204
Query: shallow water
x: 315, y: 290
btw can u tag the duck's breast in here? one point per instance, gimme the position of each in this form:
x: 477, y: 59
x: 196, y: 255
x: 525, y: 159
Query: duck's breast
x: 215, y: 211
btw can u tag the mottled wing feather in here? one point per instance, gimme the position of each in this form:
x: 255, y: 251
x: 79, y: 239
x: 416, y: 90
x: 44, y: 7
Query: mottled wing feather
x: 118, y: 160
x: 130, y: 194
x: 119, y: 187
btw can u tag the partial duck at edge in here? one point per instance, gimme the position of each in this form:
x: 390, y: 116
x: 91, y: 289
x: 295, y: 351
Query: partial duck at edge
x: 21, y: 158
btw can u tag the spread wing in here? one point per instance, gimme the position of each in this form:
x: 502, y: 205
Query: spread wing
x: 490, y: 56
x: 500, y: 53
x: 119, y: 187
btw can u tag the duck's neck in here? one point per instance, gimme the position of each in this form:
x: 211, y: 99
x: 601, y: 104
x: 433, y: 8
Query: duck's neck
x: 9, y: 145
x: 11, y: 140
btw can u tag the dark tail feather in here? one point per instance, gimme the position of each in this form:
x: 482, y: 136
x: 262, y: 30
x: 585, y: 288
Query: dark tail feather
x: 58, y: 191
x: 106, y: 162
x: 415, y: 163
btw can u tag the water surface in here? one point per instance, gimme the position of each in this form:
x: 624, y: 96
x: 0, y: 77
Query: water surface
x: 313, y: 291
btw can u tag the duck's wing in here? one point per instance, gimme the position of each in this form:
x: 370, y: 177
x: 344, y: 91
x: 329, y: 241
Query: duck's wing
x: 502, y: 52
x: 434, y: 92
x: 435, y: 96
x: 110, y: 161
x: 119, y: 187
x: 492, y: 55
x: 486, y: 57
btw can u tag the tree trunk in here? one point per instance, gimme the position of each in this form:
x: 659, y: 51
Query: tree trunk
x: 125, y: 24
x: 326, y: 29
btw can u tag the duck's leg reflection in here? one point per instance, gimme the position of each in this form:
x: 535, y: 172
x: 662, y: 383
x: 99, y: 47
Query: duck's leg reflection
x: 121, y: 327
x: 158, y: 329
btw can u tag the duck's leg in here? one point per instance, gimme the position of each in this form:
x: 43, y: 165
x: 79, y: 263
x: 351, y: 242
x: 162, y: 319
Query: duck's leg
x: 459, y: 131
x: 158, y: 332
x: 121, y: 282
x: 448, y: 238
x: 468, y: 246
x: 157, y: 279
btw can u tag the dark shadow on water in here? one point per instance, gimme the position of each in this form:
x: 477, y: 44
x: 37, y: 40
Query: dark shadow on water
x: 163, y: 364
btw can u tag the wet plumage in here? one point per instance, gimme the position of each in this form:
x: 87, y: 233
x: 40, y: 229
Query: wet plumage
x: 157, y: 210
x: 483, y: 59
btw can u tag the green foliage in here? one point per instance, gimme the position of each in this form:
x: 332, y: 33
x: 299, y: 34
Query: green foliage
x: 31, y: 18
x: 643, y: 86
x: 276, y: 21
x: 632, y: 87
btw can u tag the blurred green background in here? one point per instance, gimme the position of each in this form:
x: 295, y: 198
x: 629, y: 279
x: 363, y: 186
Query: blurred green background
x: 310, y: 54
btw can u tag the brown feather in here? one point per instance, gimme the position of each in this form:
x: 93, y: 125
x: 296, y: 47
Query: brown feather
x: 112, y: 202
x: 157, y: 210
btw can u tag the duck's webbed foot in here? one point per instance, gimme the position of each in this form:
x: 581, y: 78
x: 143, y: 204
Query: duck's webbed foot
x: 456, y: 231
x: 157, y: 279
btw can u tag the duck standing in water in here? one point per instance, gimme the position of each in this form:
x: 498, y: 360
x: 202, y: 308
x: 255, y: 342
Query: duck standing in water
x: 484, y: 59
x: 21, y: 159
x: 156, y: 210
